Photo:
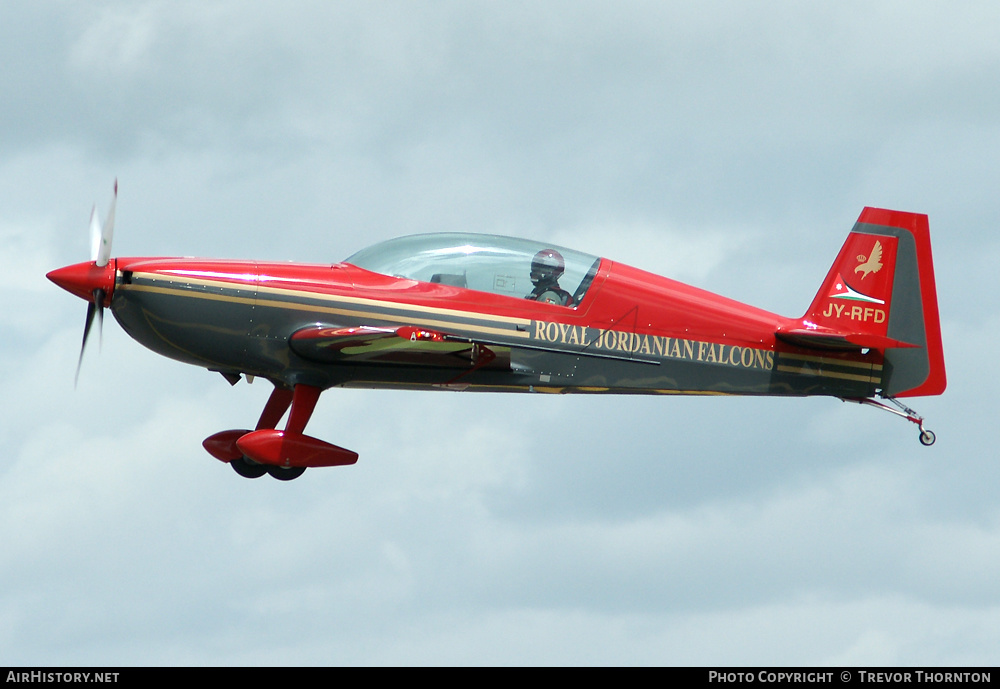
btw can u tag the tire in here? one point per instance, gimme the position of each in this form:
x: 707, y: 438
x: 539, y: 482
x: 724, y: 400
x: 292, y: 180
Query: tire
x: 285, y: 474
x: 248, y: 468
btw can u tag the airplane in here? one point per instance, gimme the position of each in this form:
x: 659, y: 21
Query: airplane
x: 474, y: 312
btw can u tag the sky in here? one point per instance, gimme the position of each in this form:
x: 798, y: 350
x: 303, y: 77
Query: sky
x: 730, y: 145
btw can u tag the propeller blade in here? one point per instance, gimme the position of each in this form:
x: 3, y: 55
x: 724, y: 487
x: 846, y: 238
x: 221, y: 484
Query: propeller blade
x: 94, y: 308
x: 91, y: 309
x: 99, y: 300
x: 95, y: 234
x: 107, y: 233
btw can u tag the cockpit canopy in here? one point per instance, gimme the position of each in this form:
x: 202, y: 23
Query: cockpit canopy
x: 488, y: 263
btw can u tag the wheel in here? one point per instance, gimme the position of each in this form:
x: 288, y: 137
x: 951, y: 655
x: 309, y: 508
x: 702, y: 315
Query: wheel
x: 248, y: 468
x: 927, y: 437
x: 285, y: 473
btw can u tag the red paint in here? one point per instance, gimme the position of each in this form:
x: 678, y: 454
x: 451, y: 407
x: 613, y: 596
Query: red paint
x: 289, y: 449
x: 856, y: 295
x: 277, y: 405
x: 222, y: 445
x: 82, y: 279
x: 303, y: 402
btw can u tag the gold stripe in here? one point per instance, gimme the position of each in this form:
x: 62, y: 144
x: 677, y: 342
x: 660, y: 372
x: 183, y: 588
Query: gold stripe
x: 828, y: 374
x: 326, y: 309
x: 360, y: 301
x: 527, y: 387
x: 703, y: 393
x: 386, y: 318
x: 828, y: 360
x: 249, y: 301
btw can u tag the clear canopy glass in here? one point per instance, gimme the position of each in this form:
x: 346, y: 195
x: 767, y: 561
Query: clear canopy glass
x: 488, y: 263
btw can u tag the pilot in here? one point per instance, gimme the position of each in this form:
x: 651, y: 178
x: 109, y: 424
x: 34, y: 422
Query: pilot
x: 546, y: 268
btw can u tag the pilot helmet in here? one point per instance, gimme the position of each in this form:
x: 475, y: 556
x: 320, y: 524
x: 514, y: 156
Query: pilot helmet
x: 547, y: 266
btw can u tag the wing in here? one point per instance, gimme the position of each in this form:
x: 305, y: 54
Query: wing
x: 403, y: 345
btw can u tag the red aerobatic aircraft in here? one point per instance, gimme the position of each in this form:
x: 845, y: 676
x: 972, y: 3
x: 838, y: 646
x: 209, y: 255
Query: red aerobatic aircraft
x: 489, y: 313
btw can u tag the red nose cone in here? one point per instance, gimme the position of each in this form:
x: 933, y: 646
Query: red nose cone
x: 83, y: 278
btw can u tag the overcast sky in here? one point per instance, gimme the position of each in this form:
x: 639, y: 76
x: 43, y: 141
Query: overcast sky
x: 731, y: 145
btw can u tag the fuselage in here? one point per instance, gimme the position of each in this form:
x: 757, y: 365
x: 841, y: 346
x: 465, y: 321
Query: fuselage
x: 632, y: 332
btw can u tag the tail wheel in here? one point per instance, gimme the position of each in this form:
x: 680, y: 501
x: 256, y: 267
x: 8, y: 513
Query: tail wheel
x: 926, y: 437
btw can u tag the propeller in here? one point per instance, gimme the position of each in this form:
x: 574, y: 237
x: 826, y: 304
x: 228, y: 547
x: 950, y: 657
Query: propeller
x: 100, y: 253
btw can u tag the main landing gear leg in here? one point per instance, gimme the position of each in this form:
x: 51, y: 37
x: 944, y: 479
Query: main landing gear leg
x: 277, y: 405
x: 268, y: 451
x: 926, y: 436
x: 303, y: 401
x: 284, y: 454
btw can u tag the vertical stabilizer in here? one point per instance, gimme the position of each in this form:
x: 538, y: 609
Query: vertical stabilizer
x: 880, y: 293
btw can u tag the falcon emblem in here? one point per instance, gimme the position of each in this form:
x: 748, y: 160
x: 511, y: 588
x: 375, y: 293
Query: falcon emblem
x: 873, y: 263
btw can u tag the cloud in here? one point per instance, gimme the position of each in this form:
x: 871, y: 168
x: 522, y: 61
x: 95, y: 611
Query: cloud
x: 700, y: 143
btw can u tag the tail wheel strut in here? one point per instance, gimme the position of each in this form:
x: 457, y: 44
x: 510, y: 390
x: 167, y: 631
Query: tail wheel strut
x: 926, y: 436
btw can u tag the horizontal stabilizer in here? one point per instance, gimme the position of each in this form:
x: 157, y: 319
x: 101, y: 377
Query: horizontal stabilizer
x: 841, y: 341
